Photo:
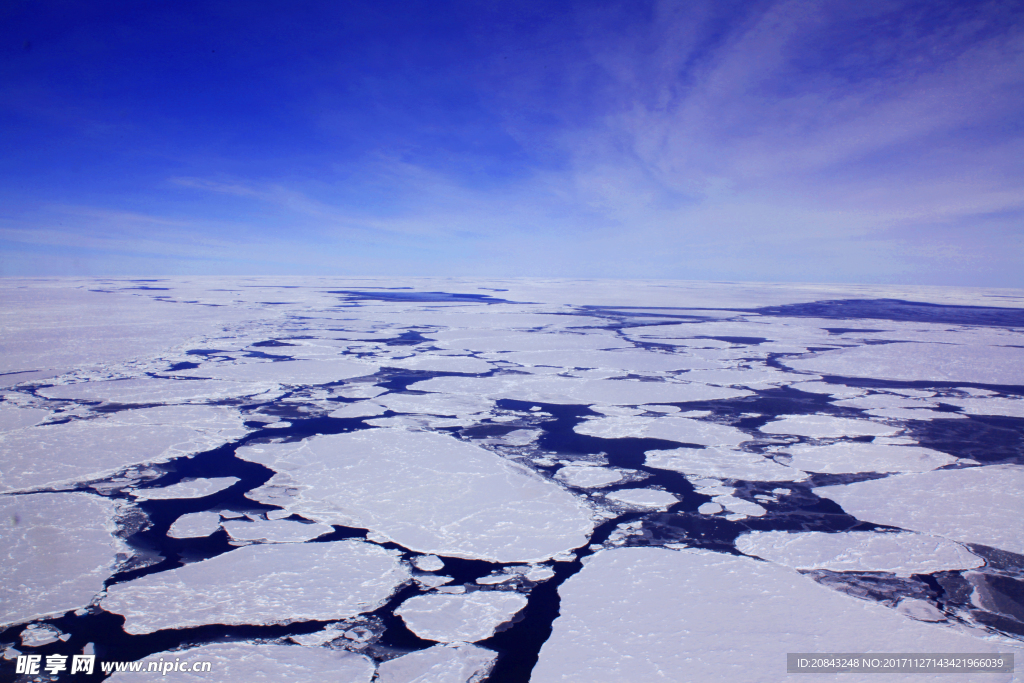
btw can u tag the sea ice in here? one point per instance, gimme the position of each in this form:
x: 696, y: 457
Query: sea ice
x: 651, y: 499
x: 306, y: 372
x: 194, y: 525
x: 588, y: 477
x: 1009, y: 407
x: 971, y: 505
x: 428, y: 563
x: 15, y: 418
x: 197, y: 488
x: 626, y: 360
x: 427, y: 492
x: 651, y: 614
x: 913, y: 361
x: 819, y: 426
x: 857, y: 456
x: 275, y: 531
x: 58, y: 551
x: 262, y: 584
x: 37, y: 635
x: 260, y: 663
x: 460, y: 618
x: 147, y: 390
x: 432, y: 363
x: 904, y: 553
x: 722, y: 463
x: 442, y: 663
x: 670, y: 428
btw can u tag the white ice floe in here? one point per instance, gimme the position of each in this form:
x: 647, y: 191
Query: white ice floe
x: 359, y: 390
x: 52, y: 455
x: 588, y: 477
x: 147, y: 390
x: 822, y: 426
x: 58, y: 549
x: 15, y: 418
x: 836, y: 390
x: 275, y: 531
x: 37, y: 635
x: 433, y: 404
x: 569, y: 390
x: 669, y: 428
x: 427, y: 492
x: 648, y: 499
x: 428, y: 563
x: 722, y: 463
x: 197, y: 488
x: 258, y: 663
x: 285, y: 372
x: 857, y: 456
x: 359, y: 409
x: 262, y: 584
x: 433, y: 363
x: 903, y: 553
x: 709, y: 508
x: 625, y: 360
x: 503, y: 340
x: 650, y: 614
x: 442, y: 663
x: 460, y: 618
x: 1009, y: 407
x: 913, y: 414
x: 972, y: 505
x: 194, y: 525
x: 914, y: 361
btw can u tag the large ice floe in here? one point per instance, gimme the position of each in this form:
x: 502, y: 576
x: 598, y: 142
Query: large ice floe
x: 358, y: 479
x: 261, y: 584
x: 972, y: 505
x: 58, y: 549
x: 428, y: 492
x: 650, y: 614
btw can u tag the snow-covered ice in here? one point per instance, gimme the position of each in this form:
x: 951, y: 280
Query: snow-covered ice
x: 194, y: 525
x: 197, y: 488
x: 823, y: 426
x: 442, y: 663
x: 261, y: 584
x: 650, y: 499
x: 721, y: 463
x: 858, y: 456
x: 460, y: 618
x: 588, y: 477
x: 971, y: 505
x: 275, y: 531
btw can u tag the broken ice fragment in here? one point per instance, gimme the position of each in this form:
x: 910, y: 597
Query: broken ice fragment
x: 722, y: 463
x: 857, y: 456
x: 37, y: 635
x: 818, y: 426
x: 275, y: 531
x: 453, y: 618
x: 197, y: 488
x: 194, y: 525
x: 261, y: 584
x: 442, y: 663
x: 428, y: 563
x: 588, y: 477
x: 651, y: 499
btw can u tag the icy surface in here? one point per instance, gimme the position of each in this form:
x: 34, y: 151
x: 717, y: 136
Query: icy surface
x: 194, y: 525
x: 460, y: 618
x: 447, y: 663
x: 904, y: 553
x: 146, y: 390
x: 722, y: 463
x: 37, y: 635
x: 261, y: 584
x: 428, y: 563
x: 670, y: 428
x: 285, y: 372
x: 644, y: 498
x: 1010, y: 407
x: 916, y: 361
x: 972, y: 505
x: 428, y: 492
x: 58, y: 548
x: 197, y: 488
x: 258, y: 663
x: 16, y: 418
x: 818, y: 426
x: 275, y: 531
x: 648, y: 614
x: 588, y: 477
x: 857, y: 456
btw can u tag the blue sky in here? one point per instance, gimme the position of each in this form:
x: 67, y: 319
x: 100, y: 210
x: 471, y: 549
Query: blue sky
x: 836, y: 141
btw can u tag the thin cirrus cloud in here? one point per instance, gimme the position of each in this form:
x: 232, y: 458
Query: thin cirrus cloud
x: 790, y: 140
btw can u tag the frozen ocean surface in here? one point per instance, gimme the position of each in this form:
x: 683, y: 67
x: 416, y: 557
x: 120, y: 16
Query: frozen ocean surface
x: 443, y: 480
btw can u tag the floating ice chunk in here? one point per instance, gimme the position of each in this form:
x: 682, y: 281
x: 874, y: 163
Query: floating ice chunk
x: 568, y: 390
x: 428, y: 563
x: 147, y: 390
x: 260, y: 663
x: 857, y: 456
x: 502, y: 340
x: 837, y: 390
x: 588, y: 477
x: 763, y: 376
x: 359, y: 409
x: 275, y: 531
x: 1010, y: 407
x: 443, y: 663
x: 626, y: 360
x: 359, y: 390
x: 428, y: 492
x: 652, y: 499
x: 709, y: 508
x: 922, y: 610
x: 194, y: 525
x: 670, y: 428
x: 912, y: 361
x: 432, y: 404
x: 196, y: 488
x: 460, y: 618
x: 885, y: 401
x: 286, y: 372
x: 58, y: 549
x: 432, y: 580
x: 969, y: 505
x: 739, y: 507
x: 818, y: 426
x: 696, y: 615
x: 51, y: 455
x: 539, y: 573
x: 16, y: 418
x: 913, y: 414
x: 722, y: 463
x: 432, y: 363
x: 262, y: 584
x: 37, y: 635
x: 904, y: 553
x: 665, y: 409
